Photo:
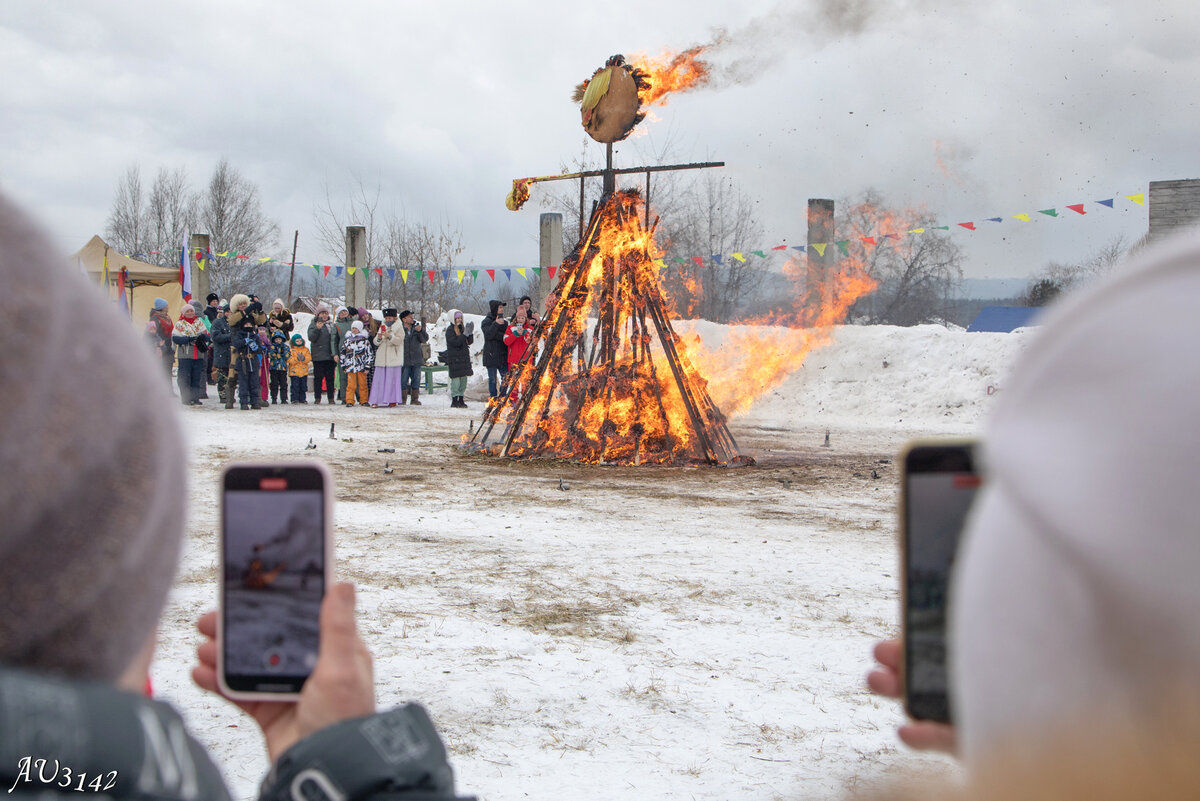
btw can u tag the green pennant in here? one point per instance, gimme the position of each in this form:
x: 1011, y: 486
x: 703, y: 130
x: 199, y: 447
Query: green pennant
x: 941, y: 228
x: 759, y: 253
x: 474, y: 274
x: 1048, y: 212
x: 843, y: 246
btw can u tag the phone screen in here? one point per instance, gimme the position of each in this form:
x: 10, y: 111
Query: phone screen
x: 939, y: 487
x: 274, y: 556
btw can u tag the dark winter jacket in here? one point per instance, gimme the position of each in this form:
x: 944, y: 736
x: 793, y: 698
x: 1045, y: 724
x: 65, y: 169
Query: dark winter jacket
x: 320, y: 341
x: 281, y: 321
x: 222, y: 338
x: 458, y: 352
x: 495, y: 352
x: 73, y: 739
x: 210, y: 313
x: 414, y: 355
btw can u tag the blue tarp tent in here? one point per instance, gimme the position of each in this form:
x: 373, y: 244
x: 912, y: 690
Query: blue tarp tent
x: 1003, y: 319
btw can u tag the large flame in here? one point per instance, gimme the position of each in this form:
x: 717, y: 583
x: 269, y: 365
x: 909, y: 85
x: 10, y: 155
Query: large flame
x: 671, y: 72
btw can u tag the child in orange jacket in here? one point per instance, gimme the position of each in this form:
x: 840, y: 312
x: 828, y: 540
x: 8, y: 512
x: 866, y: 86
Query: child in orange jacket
x: 298, y: 363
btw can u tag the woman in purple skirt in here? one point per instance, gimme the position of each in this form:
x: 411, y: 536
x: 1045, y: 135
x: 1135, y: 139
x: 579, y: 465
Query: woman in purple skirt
x: 386, y: 389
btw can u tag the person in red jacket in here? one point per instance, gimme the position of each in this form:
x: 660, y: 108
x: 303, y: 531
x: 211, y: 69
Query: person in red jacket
x: 518, y: 338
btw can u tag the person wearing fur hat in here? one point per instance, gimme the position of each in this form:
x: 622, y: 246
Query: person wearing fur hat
x: 387, y: 388
x: 279, y: 353
x: 321, y: 338
x: 299, y: 362
x: 88, y: 559
x: 163, y: 327
x: 341, y: 327
x: 356, y: 359
x: 495, y: 352
x: 280, y: 319
x: 222, y: 339
x: 459, y: 338
x: 191, y: 341
x: 244, y: 318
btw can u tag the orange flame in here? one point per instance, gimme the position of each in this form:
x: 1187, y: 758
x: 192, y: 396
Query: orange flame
x: 671, y: 72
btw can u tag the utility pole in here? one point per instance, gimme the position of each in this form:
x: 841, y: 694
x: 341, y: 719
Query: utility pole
x: 292, y: 278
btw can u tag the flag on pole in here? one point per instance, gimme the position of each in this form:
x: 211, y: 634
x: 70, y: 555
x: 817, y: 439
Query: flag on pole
x: 185, y: 275
x: 104, y: 270
x: 122, y: 301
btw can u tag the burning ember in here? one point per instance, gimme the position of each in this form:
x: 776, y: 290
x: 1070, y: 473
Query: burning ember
x: 613, y: 382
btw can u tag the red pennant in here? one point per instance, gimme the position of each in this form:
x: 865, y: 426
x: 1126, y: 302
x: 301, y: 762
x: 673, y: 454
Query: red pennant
x: 870, y: 240
x: 491, y: 274
x: 327, y: 270
x: 1078, y: 207
x: 698, y: 260
x: 378, y: 271
x: 969, y: 226
x: 779, y: 247
x: 431, y: 274
x: 551, y: 270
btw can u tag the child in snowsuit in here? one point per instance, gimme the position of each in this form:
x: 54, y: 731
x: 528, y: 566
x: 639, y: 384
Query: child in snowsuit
x: 357, y: 361
x: 299, y: 360
x: 278, y: 358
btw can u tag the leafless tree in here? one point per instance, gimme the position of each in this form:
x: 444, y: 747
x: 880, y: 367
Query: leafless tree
x: 916, y: 273
x: 126, y: 229
x: 171, y: 213
x: 1057, y: 278
x: 231, y: 211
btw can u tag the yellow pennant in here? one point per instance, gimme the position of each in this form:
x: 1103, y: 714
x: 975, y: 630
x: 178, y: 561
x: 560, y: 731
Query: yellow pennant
x: 1138, y: 199
x: 461, y: 273
x: 738, y: 256
x: 521, y: 271
x: 916, y: 230
x: 404, y: 276
x: 202, y: 263
x: 1023, y: 217
x: 265, y: 258
x: 660, y: 264
x: 350, y: 270
x: 819, y: 247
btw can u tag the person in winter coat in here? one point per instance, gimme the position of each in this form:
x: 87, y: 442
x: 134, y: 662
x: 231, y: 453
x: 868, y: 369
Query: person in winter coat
x: 211, y: 308
x: 191, y: 341
x: 387, y: 389
x: 280, y: 353
x: 518, y: 338
x: 341, y: 327
x: 244, y: 319
x: 280, y: 319
x: 87, y: 561
x: 415, y: 337
x: 163, y: 327
x: 264, y: 364
x: 320, y: 341
x: 356, y: 359
x: 299, y: 362
x: 495, y: 352
x: 459, y: 338
x: 222, y: 340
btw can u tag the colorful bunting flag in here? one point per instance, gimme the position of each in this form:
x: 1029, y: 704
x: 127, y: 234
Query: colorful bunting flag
x: 122, y: 301
x: 994, y: 219
x: 1023, y: 216
x: 491, y: 275
x: 779, y: 247
x: 404, y: 275
x: 797, y: 248
x: 391, y: 274
x: 844, y: 246
x: 1108, y: 202
x: 738, y: 256
x: 521, y: 271
x: 1077, y: 208
x: 350, y: 270
x: 431, y: 273
x: 819, y: 247
x: 550, y: 270
x: 698, y: 260
x: 327, y: 268
x: 970, y: 226
x: 1138, y: 199
x: 717, y: 258
x: 104, y: 270
x: 916, y: 230
x: 1048, y: 212
x: 337, y: 270
x: 869, y: 240
x: 474, y: 274
x: 460, y: 274
x: 508, y: 274
x: 893, y: 236
x: 759, y: 253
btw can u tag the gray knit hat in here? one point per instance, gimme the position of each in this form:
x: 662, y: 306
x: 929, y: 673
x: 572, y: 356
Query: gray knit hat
x: 94, y: 505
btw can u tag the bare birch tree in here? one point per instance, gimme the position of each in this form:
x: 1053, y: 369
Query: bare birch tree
x: 231, y: 212
x: 171, y: 213
x: 126, y: 228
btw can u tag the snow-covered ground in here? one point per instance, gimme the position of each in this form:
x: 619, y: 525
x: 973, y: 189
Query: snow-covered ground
x: 611, y: 632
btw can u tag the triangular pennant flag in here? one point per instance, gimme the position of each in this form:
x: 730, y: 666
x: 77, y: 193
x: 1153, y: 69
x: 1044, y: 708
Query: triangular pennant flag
x: 521, y: 271
x: 202, y: 263
x: 223, y: 255
x: 1108, y: 202
x: 337, y: 270
x: 404, y: 276
x: 718, y: 259
x: 800, y: 248
x: 759, y: 253
x: 350, y: 270
x: 994, y: 219
x: 941, y: 228
x: 737, y: 256
x: 1077, y: 208
x: 844, y: 246
x: 445, y: 275
x: 378, y: 271
x: 536, y: 270
x: 893, y: 236
x: 870, y: 240
x: 1138, y: 199
x: 779, y: 247
x: 819, y: 247
x: 391, y: 274
x: 698, y: 260
x: 265, y: 258
x: 970, y: 226
x: 474, y: 274
x: 327, y: 270
x: 916, y: 230
x: 681, y: 261
x: 1022, y: 216
x: 460, y: 274
x: 660, y: 264
x: 508, y: 274
x: 431, y: 274
x: 491, y: 274
x: 552, y: 269
x: 1048, y: 212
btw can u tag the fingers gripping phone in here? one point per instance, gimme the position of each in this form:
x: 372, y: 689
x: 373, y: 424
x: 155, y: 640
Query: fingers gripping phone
x: 940, y: 480
x: 276, y: 563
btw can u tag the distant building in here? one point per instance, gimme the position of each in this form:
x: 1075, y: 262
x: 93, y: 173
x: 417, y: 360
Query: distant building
x: 1004, y: 319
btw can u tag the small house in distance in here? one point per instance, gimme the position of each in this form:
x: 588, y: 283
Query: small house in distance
x: 1004, y: 319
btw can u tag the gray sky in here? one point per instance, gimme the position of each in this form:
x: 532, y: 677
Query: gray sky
x: 971, y: 112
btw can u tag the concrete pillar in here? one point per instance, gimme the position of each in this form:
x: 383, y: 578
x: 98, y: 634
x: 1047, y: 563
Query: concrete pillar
x: 200, y: 282
x: 1174, y: 207
x: 820, y: 266
x: 356, y: 258
x: 550, y: 254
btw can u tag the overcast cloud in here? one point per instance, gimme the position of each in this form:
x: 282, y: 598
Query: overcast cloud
x: 970, y: 112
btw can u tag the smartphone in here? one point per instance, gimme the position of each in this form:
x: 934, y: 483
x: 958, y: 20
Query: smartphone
x: 939, y: 484
x: 276, y: 563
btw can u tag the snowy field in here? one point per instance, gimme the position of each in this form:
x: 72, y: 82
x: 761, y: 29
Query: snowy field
x: 610, y: 632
